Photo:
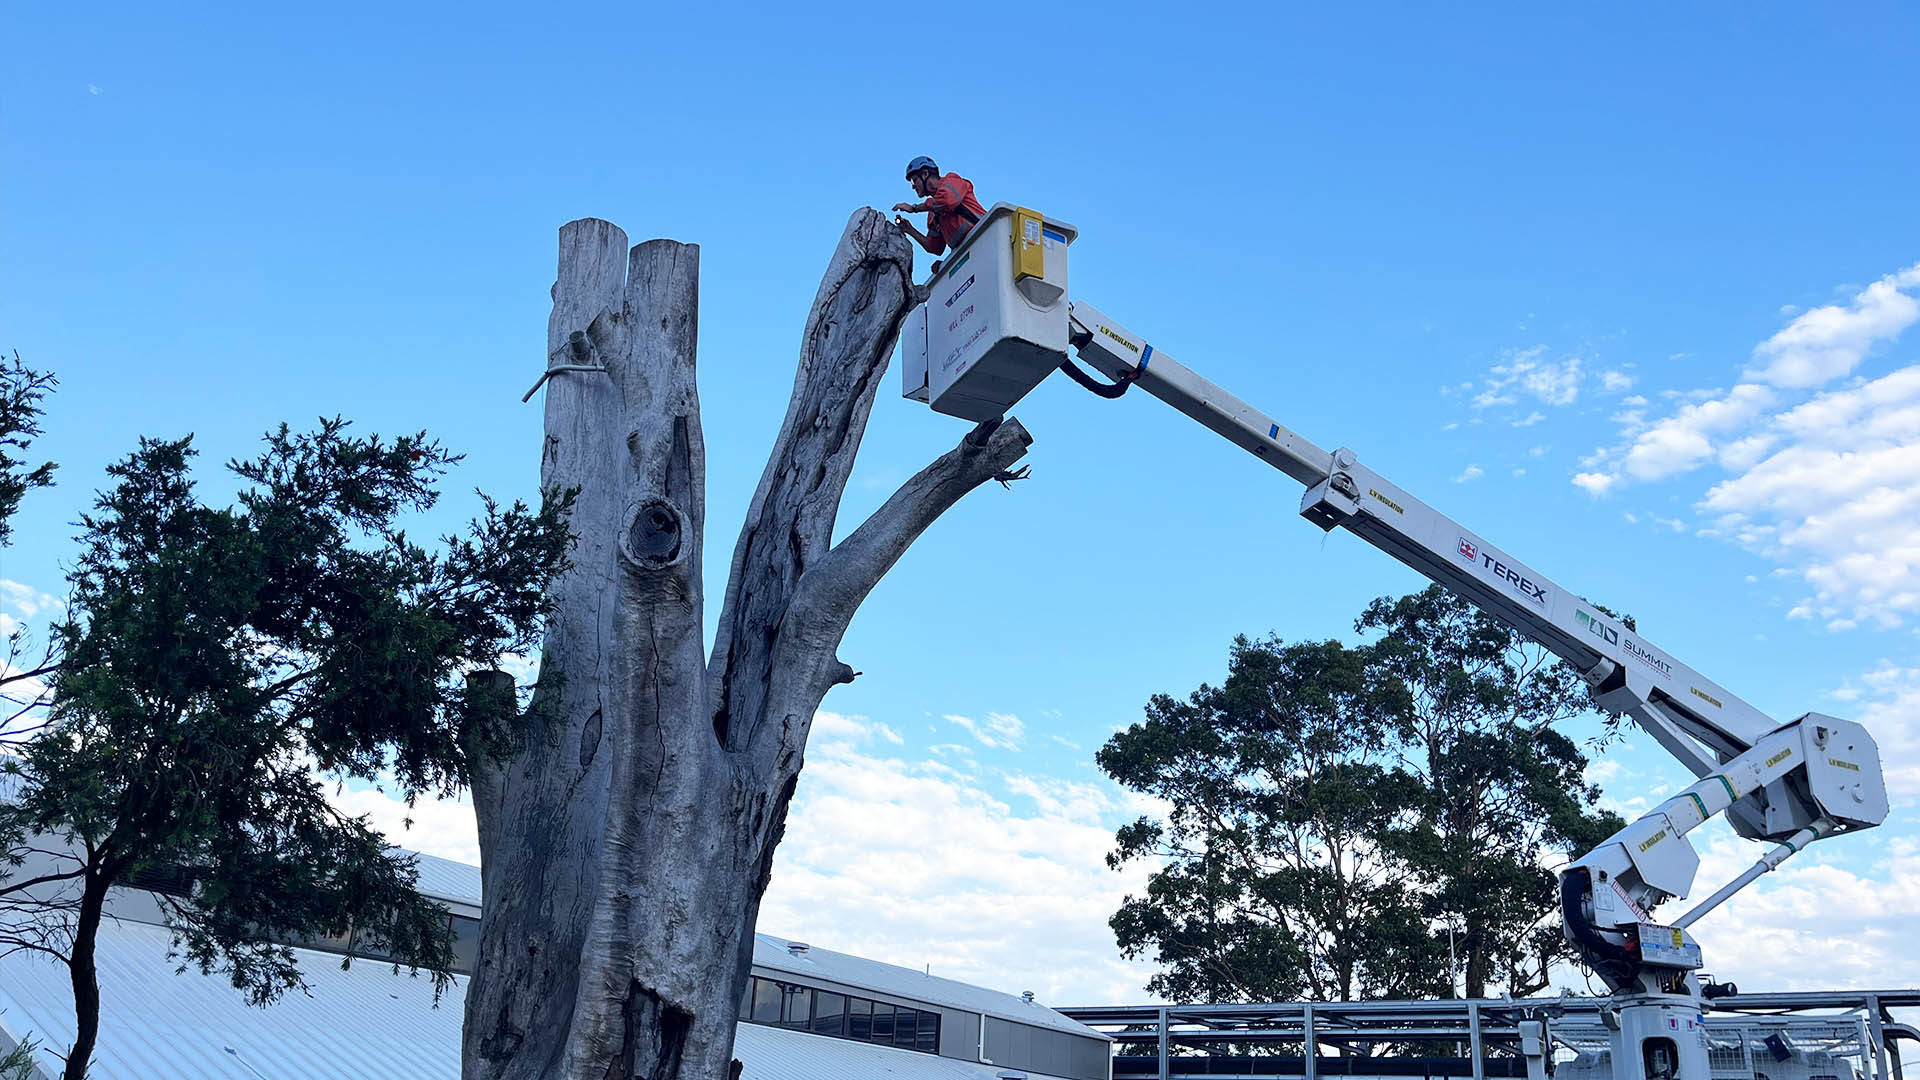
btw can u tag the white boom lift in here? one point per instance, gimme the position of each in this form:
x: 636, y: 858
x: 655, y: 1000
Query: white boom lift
x: 998, y: 320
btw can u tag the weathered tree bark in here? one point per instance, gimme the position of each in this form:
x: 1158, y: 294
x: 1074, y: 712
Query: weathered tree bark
x: 627, y: 840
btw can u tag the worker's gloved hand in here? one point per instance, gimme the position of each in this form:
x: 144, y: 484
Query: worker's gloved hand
x: 905, y: 207
x: 903, y: 225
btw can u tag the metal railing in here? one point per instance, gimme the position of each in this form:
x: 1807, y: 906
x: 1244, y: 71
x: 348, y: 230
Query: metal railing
x: 1479, y: 1038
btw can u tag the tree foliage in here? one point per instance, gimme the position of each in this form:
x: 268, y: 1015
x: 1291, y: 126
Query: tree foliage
x: 22, y: 391
x: 1503, y: 788
x: 1334, y: 811
x: 219, y: 665
x: 18, y: 1063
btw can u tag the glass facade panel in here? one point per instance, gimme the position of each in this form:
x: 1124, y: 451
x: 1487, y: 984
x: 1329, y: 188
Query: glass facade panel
x: 905, y: 1026
x: 766, y: 1001
x: 799, y: 1006
x: 927, y: 1034
x: 779, y: 1003
x: 466, y: 942
x: 829, y: 1013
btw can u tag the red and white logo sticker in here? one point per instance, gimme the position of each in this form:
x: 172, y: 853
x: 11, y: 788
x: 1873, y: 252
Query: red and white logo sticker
x: 1467, y: 550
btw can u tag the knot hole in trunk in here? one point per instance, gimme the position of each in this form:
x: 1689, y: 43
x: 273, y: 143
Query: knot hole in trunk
x: 654, y: 535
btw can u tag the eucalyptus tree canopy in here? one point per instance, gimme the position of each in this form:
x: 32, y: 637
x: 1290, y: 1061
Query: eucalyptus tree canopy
x: 1366, y: 820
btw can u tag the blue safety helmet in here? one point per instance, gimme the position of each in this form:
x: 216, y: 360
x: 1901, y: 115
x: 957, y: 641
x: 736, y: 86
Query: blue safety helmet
x: 921, y: 162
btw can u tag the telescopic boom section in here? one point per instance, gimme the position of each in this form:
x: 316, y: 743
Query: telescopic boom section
x: 1631, y: 674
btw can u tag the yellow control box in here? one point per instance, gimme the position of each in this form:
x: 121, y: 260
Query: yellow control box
x: 1029, y: 254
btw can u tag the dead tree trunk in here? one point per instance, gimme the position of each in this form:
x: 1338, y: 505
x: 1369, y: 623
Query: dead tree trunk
x: 626, y: 841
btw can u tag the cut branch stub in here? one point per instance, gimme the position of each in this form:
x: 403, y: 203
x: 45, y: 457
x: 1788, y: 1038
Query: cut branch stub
x: 654, y: 536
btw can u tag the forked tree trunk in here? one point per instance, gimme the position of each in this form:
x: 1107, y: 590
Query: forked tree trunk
x: 626, y: 841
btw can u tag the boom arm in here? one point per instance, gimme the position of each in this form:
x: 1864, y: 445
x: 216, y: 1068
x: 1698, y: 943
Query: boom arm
x: 997, y: 320
x: 1792, y: 783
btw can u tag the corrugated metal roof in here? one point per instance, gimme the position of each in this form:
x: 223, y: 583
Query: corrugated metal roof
x: 444, y: 879
x: 371, y: 1023
x: 365, y: 1022
x: 772, y: 953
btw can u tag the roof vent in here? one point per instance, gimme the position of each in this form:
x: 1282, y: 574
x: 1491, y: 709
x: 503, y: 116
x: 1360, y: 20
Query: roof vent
x: 1027, y: 996
x: 798, y: 948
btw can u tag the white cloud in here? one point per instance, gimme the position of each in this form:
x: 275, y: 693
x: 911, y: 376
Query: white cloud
x: 1471, y: 472
x: 443, y: 827
x: 23, y: 610
x: 26, y: 601
x: 1838, y: 501
x: 94, y: 90
x: 1530, y: 419
x: 1685, y: 439
x: 1886, y: 701
x: 999, y: 731
x: 1524, y: 372
x: 912, y: 865
x: 1067, y: 800
x: 1615, y: 380
x: 998, y: 879
x: 1826, y: 484
x: 1811, y: 924
x: 1742, y: 454
x: 833, y: 725
x: 1828, y: 342
x: 1596, y: 483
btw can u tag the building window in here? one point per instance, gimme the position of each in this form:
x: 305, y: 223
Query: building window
x: 766, y: 1002
x: 466, y: 942
x: 799, y: 1007
x: 859, y: 1019
x: 777, y: 1003
x: 829, y: 1013
x: 167, y: 879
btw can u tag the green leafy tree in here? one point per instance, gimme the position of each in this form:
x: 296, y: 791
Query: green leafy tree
x: 1358, y: 821
x: 18, y: 1063
x: 1503, y: 791
x: 218, y: 663
x: 22, y: 390
x: 1279, y: 879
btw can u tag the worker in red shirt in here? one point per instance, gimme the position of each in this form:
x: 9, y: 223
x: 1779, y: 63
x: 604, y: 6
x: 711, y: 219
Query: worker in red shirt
x: 948, y: 202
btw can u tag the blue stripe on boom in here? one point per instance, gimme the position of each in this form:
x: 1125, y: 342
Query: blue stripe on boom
x: 1146, y: 354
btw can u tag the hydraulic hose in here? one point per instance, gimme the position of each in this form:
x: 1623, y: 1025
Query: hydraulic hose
x: 1105, y: 390
x: 1617, y: 963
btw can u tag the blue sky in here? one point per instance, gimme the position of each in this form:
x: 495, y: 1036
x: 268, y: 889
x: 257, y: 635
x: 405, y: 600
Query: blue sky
x: 1628, y: 292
